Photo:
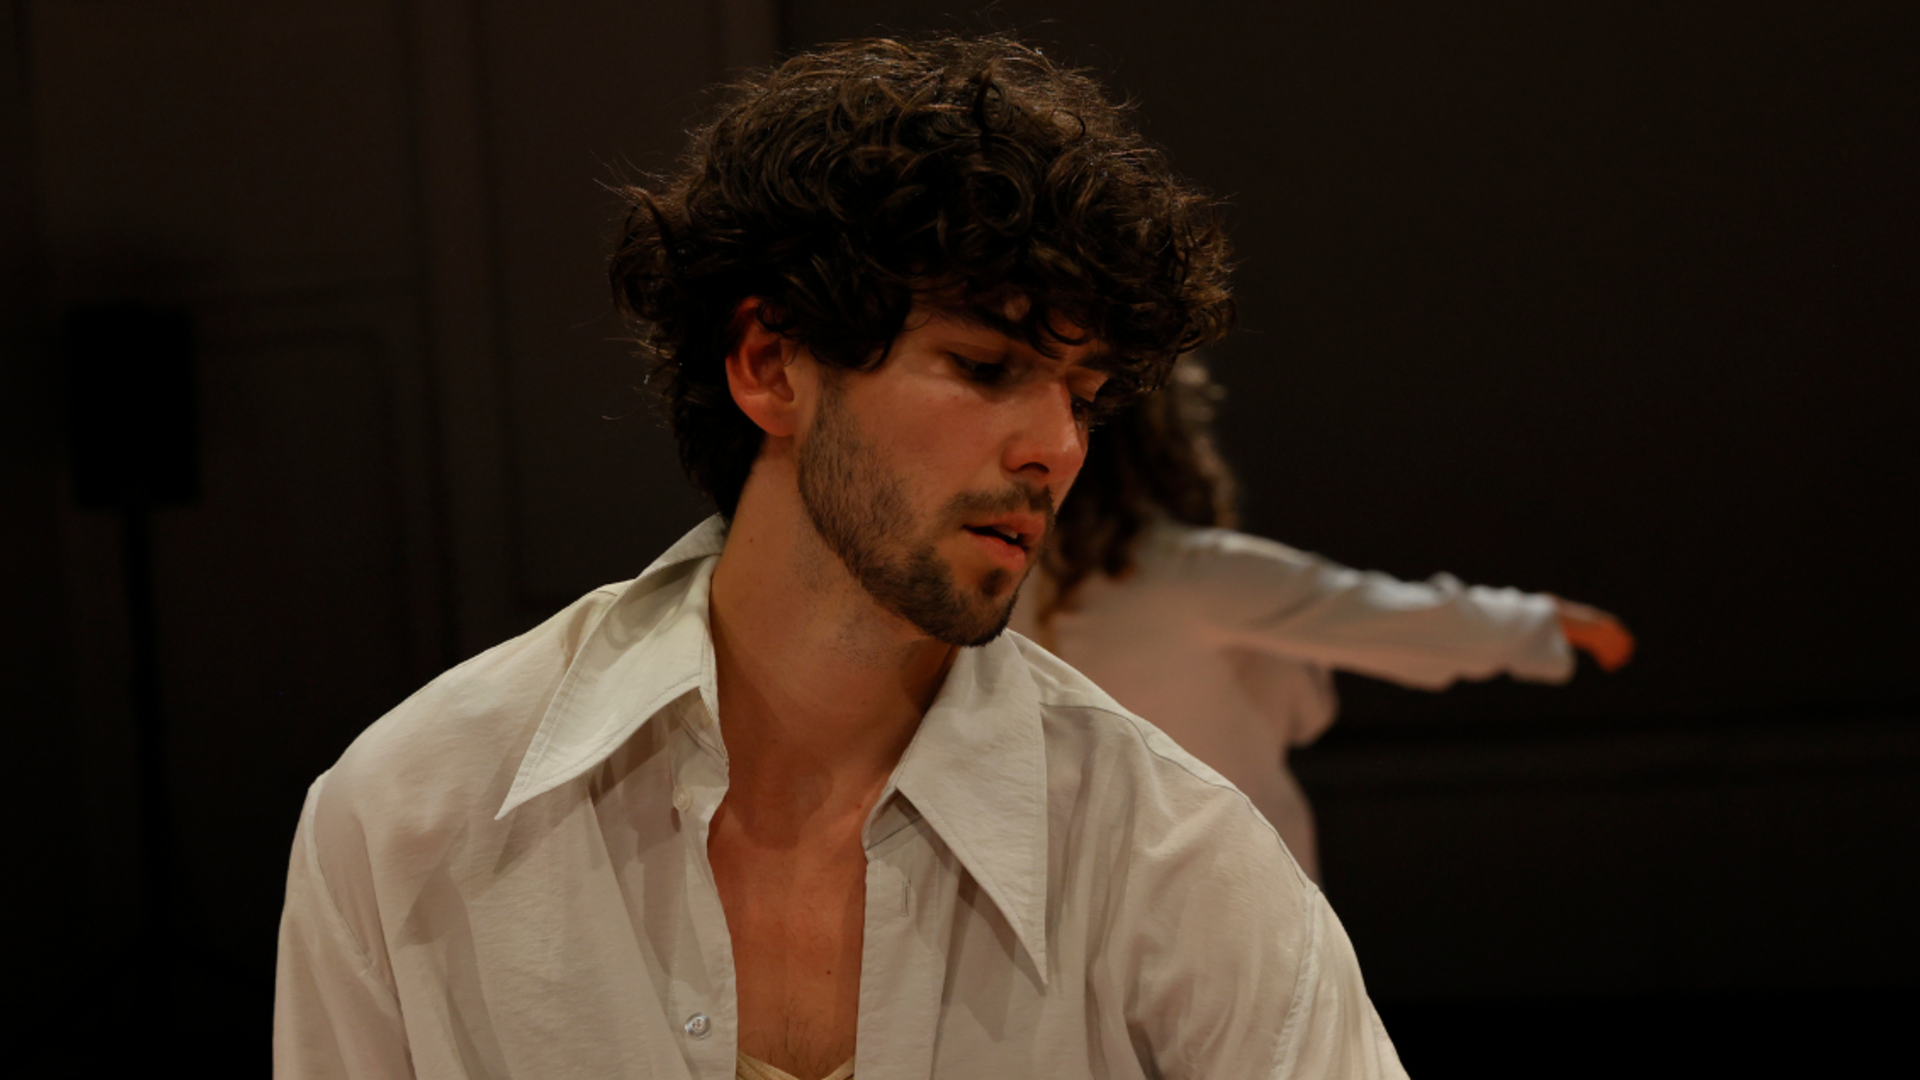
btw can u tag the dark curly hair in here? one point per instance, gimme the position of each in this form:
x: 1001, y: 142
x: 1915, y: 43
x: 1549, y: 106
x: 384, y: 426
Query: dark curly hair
x: 848, y: 181
x: 1156, y: 458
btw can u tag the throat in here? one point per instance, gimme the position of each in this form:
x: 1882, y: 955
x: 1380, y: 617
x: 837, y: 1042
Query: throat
x: 794, y: 890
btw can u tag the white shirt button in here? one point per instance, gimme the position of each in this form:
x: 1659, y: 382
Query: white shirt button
x: 699, y: 1026
x: 682, y: 799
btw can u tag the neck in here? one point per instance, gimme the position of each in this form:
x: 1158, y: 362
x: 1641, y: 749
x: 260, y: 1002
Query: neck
x: 820, y: 688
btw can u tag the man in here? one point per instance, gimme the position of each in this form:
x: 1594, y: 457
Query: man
x: 789, y: 803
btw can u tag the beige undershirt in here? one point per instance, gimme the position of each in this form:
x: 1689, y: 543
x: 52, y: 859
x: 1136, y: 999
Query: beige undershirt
x: 746, y: 1068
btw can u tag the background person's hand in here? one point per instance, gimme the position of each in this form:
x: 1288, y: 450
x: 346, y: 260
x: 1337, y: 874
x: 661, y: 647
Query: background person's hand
x: 1596, y: 633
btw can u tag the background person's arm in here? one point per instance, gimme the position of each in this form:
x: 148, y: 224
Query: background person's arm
x: 1268, y: 597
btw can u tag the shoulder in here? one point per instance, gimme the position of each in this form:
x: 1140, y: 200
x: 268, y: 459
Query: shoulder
x: 1083, y: 719
x: 1180, y: 571
x: 1197, y: 908
x: 1220, y: 948
x: 446, y: 756
x: 1190, y: 556
x: 1138, y: 782
x: 1194, y: 544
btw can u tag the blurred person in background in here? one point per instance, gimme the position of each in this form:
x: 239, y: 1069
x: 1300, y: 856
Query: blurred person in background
x: 1228, y: 642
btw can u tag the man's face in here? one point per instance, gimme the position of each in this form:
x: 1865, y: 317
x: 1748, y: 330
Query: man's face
x: 935, y: 477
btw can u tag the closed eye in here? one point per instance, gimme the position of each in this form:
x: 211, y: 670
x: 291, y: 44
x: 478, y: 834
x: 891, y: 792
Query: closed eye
x: 1111, y: 398
x: 1095, y: 411
x: 984, y: 372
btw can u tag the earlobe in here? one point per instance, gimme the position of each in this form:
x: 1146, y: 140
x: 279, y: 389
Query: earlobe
x: 758, y: 372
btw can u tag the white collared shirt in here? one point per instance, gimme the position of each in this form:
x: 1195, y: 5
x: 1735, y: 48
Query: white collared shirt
x: 1228, y: 642
x: 508, y: 876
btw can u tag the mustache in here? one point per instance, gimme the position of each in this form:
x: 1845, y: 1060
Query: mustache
x: 1015, y: 497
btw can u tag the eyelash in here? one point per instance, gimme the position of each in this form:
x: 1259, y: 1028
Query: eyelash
x: 987, y: 373
x: 1094, y: 411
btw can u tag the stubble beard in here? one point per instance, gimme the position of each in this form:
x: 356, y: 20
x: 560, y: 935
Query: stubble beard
x: 860, y: 509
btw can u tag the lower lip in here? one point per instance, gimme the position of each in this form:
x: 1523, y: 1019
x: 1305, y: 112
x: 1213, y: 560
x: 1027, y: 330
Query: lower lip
x: 1011, y: 556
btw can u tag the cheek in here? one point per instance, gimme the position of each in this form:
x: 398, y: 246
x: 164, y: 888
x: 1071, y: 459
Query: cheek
x: 944, y: 433
x: 1073, y: 468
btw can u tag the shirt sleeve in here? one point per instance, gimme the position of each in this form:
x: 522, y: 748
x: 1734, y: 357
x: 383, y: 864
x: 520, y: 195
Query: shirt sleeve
x: 1232, y: 961
x: 334, y: 1013
x: 1263, y: 596
x: 1332, y: 1028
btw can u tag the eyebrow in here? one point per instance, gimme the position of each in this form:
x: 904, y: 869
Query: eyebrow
x: 1102, y: 359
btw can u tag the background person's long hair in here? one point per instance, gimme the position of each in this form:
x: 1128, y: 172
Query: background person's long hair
x: 1157, y: 457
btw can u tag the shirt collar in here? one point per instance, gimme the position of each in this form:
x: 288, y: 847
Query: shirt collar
x: 975, y: 769
x: 650, y: 648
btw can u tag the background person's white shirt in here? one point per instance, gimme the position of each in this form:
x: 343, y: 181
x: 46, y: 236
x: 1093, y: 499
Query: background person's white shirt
x: 507, y: 876
x: 1227, y: 643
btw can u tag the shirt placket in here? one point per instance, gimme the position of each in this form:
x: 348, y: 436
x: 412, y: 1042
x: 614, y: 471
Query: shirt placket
x: 706, y: 1014
x: 903, y: 962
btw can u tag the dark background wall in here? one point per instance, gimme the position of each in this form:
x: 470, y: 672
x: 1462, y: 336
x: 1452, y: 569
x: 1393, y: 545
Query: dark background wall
x: 1612, y: 299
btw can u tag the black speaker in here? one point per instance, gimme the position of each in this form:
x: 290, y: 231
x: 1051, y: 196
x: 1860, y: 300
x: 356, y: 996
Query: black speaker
x: 131, y: 406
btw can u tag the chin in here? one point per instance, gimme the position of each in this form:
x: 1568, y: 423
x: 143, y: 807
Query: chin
x: 970, y: 625
x: 949, y: 606
x: 993, y: 629
x: 997, y: 584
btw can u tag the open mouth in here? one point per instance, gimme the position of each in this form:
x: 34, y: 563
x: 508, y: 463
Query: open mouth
x: 993, y: 532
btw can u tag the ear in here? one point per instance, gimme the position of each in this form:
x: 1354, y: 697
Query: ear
x: 758, y: 372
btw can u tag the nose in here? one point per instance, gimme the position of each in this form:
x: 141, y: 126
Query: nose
x: 1049, y: 445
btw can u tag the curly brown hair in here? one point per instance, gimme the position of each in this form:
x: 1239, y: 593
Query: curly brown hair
x: 1156, y: 458
x: 846, y: 182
